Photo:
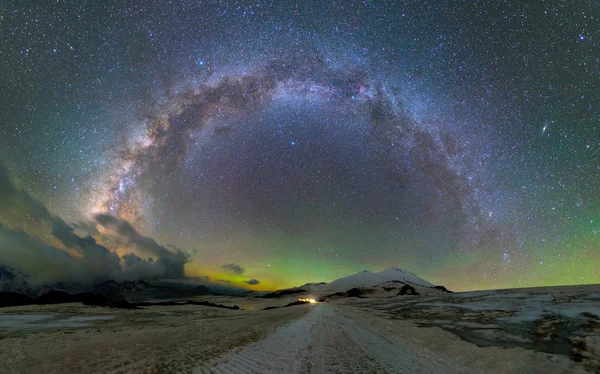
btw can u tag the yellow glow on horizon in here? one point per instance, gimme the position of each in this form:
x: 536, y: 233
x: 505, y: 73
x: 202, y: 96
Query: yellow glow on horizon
x: 192, y: 270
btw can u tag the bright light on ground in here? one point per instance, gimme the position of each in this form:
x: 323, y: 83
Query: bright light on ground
x: 312, y: 301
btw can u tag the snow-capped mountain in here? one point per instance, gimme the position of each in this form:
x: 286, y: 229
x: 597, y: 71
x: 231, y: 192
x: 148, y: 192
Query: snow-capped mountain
x: 366, y: 278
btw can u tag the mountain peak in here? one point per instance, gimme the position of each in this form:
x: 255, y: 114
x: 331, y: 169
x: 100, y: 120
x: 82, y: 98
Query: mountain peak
x: 394, y: 268
x: 365, y: 278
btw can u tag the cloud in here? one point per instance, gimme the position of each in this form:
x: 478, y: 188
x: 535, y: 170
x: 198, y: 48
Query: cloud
x: 223, y: 281
x: 94, y: 256
x: 233, y: 268
x: 171, y: 259
x: 138, y: 268
x: 87, y: 261
x: 38, y: 260
x: 252, y: 281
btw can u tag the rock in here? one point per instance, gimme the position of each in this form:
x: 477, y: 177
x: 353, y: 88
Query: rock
x: 407, y: 290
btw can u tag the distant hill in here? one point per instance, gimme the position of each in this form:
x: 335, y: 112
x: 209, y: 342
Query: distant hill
x: 252, y: 293
x: 139, y: 290
x: 15, y: 282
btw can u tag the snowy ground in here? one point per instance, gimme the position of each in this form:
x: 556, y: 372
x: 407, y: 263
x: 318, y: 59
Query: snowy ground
x: 174, y: 339
x: 551, y: 330
x: 325, y: 341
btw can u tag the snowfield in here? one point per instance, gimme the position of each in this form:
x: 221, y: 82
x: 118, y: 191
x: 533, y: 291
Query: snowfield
x: 537, y: 330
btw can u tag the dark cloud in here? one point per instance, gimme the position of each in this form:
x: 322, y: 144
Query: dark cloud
x: 39, y: 261
x: 252, y: 281
x: 139, y: 268
x: 223, y: 281
x: 172, y: 260
x: 92, y: 253
x: 88, y: 261
x: 233, y: 268
x: 44, y: 263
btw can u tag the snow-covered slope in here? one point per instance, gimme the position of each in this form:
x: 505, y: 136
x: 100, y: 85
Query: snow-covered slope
x: 394, y: 273
x: 366, y: 278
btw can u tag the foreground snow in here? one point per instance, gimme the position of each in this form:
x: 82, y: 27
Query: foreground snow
x: 538, y: 330
x: 324, y: 341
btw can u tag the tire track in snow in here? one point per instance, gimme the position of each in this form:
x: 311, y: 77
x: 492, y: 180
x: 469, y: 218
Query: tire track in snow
x: 324, y: 341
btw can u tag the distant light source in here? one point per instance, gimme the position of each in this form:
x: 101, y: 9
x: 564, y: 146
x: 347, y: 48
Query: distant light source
x: 312, y: 301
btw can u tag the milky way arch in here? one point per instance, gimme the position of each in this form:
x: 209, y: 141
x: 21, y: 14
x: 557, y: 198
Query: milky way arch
x: 410, y: 151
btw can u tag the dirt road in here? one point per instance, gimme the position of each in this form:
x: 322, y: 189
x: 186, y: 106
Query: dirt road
x: 324, y: 341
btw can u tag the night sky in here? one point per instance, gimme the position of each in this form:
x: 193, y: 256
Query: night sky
x: 266, y: 144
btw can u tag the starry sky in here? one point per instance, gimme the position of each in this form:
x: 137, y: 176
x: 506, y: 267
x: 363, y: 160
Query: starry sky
x: 265, y: 144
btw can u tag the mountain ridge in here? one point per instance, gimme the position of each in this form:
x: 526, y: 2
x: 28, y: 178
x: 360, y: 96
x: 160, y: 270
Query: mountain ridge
x: 15, y: 282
